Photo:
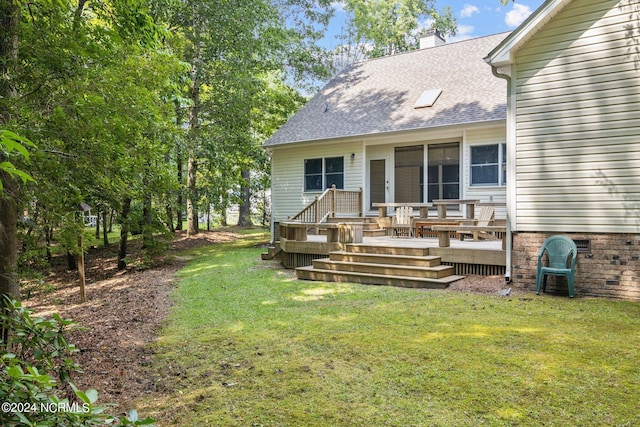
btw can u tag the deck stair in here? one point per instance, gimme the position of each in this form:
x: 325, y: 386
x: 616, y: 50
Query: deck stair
x: 380, y: 265
x: 273, y: 251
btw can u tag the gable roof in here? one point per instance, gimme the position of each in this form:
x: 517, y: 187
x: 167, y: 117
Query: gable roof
x: 503, y: 53
x: 379, y: 96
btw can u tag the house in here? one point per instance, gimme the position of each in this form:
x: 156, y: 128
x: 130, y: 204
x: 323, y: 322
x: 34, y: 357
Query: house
x: 546, y: 119
x: 573, y: 139
x: 414, y: 127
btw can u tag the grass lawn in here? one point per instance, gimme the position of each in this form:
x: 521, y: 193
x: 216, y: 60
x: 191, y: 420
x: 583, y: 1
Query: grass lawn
x: 247, y: 345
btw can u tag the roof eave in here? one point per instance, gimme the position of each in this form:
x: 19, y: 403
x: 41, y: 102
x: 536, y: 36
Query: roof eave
x: 387, y: 133
x: 503, y: 53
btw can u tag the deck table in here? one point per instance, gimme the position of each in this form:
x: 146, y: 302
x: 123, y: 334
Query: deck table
x: 382, y: 208
x: 443, y: 203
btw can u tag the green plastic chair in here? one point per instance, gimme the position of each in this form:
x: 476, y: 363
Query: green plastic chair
x: 558, y: 249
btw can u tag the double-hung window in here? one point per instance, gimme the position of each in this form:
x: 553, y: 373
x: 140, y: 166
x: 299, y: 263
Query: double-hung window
x: 323, y: 173
x: 489, y: 164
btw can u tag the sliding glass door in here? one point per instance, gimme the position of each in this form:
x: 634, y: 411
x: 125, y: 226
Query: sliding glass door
x: 409, y: 174
x: 444, y: 171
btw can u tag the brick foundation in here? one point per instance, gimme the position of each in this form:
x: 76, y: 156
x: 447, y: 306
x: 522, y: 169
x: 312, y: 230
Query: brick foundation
x: 610, y: 269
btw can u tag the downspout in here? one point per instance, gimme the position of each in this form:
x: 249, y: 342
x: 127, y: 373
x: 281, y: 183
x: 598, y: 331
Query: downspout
x: 272, y: 225
x: 509, y: 236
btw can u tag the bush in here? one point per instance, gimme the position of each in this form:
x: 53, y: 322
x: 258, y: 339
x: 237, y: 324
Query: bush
x: 35, y: 371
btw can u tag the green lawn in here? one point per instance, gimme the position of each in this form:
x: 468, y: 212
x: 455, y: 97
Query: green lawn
x: 246, y: 345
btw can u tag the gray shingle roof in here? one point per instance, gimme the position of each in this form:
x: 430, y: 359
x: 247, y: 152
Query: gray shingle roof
x: 379, y: 95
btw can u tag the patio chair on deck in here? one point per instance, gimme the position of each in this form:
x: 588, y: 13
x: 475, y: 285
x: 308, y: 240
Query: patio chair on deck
x: 485, y: 217
x: 558, y: 249
x: 402, y: 223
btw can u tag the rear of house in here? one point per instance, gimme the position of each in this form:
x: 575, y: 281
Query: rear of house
x: 557, y: 137
x: 574, y: 133
x: 410, y: 128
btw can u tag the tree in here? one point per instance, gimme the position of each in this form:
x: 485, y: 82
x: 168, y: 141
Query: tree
x: 228, y: 44
x: 104, y: 87
x: 387, y: 27
x: 93, y: 89
x: 10, y: 143
x: 9, y: 22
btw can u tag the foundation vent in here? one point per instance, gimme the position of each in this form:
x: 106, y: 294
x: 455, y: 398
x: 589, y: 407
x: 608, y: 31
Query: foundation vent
x: 583, y: 245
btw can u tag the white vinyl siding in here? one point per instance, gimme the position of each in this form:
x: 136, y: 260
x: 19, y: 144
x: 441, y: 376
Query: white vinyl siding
x: 485, y: 193
x: 578, y: 123
x: 288, y: 196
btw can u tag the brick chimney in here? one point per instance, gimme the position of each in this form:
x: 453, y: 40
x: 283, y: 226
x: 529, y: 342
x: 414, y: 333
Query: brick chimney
x: 431, y: 38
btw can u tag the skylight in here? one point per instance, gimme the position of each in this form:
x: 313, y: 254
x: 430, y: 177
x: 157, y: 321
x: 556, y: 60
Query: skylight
x: 428, y: 98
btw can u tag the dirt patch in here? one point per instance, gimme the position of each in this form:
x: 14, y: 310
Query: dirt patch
x: 123, y: 314
x: 488, y: 285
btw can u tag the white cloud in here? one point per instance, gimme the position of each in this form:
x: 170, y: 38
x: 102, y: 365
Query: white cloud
x: 468, y: 11
x: 464, y: 32
x: 517, y: 15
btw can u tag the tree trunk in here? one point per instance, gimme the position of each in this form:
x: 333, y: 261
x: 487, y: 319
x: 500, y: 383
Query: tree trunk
x: 8, y: 249
x: 208, y: 215
x: 9, y: 25
x: 147, y: 230
x: 8, y: 238
x: 111, y: 214
x: 72, y: 261
x: 97, y: 224
x: 48, y: 233
x: 179, y: 200
x: 244, y: 219
x: 105, y: 233
x: 169, y: 213
x: 192, y: 166
x: 192, y: 194
x: 124, y: 233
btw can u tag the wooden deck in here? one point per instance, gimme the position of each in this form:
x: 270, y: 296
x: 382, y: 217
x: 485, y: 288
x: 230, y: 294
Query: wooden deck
x: 315, y: 243
x: 357, y: 249
x: 389, y: 263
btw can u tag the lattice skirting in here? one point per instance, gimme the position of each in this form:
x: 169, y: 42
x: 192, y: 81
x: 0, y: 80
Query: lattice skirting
x: 477, y: 269
x: 294, y: 260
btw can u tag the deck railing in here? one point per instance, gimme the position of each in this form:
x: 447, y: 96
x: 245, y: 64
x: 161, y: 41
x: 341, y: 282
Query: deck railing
x: 329, y: 204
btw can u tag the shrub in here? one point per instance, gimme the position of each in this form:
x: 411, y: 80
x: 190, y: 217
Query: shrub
x: 35, y: 371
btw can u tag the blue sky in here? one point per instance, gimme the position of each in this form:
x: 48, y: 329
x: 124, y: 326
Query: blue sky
x: 475, y: 18
x: 480, y: 18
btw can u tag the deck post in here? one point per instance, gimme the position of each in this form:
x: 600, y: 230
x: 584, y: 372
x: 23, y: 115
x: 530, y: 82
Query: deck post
x: 444, y: 241
x: 333, y: 201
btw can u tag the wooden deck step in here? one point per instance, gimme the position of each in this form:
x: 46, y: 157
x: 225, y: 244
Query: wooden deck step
x: 272, y: 252
x: 397, y: 260
x: 437, y: 272
x: 388, y: 250
x: 311, y: 273
x: 374, y: 232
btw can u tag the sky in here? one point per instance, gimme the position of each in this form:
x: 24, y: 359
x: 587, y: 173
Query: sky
x: 475, y: 18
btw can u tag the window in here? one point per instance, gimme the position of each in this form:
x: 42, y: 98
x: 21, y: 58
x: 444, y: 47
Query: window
x: 323, y: 173
x: 313, y: 174
x: 489, y: 164
x: 334, y: 172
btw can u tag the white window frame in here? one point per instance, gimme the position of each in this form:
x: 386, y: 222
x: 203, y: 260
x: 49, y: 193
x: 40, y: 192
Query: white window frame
x: 324, y: 174
x: 500, y: 165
